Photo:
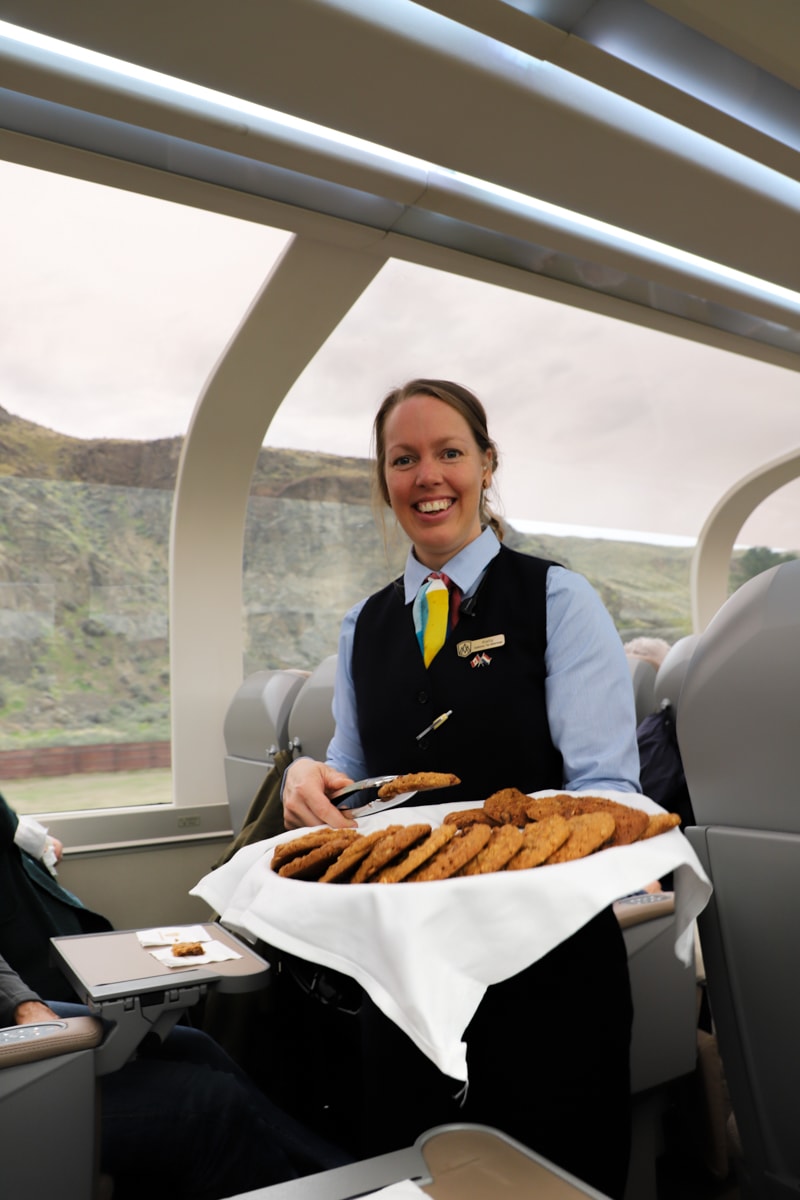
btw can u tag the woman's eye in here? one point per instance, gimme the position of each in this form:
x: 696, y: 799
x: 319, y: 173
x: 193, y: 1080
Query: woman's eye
x: 452, y: 453
x: 402, y: 461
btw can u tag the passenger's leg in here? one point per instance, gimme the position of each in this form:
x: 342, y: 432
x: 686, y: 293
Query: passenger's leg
x: 307, y: 1151
x: 212, y: 1111
x: 177, y: 1129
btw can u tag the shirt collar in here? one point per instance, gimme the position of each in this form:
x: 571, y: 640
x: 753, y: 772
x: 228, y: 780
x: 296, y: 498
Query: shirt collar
x: 464, y: 568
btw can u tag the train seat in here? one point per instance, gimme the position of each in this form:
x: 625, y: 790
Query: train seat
x: 670, y: 675
x: 256, y: 728
x: 48, y: 1090
x: 311, y: 724
x: 643, y: 678
x: 737, y: 730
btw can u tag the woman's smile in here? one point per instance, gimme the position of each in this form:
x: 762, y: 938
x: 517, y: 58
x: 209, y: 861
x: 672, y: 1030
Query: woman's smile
x: 433, y: 506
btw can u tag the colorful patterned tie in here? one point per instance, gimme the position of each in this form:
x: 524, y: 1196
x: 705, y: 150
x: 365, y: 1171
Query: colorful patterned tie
x: 436, y: 608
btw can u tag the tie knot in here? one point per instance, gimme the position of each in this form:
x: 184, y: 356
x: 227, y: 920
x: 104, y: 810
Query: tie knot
x: 446, y: 580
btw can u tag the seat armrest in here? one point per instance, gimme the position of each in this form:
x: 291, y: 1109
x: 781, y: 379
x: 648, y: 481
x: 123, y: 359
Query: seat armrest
x: 47, y: 1039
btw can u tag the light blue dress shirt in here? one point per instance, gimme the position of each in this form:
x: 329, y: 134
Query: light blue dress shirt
x: 590, y: 700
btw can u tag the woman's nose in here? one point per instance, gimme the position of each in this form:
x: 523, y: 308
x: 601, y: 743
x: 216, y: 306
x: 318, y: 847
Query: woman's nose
x: 428, y: 471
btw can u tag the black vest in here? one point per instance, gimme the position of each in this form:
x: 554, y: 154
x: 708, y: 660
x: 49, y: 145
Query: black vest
x: 498, y: 735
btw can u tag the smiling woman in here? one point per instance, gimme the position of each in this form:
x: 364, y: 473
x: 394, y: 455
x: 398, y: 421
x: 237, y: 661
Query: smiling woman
x: 434, y: 461
x: 530, y: 661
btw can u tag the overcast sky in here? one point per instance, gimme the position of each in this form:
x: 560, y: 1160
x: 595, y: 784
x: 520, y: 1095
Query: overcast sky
x: 115, y: 307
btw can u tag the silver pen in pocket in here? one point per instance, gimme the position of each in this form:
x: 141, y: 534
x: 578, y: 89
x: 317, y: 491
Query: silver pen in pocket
x: 435, y: 724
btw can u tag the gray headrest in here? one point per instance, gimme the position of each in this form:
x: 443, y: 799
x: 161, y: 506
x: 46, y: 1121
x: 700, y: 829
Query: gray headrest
x: 738, y: 719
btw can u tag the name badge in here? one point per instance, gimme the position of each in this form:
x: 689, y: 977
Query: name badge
x: 466, y: 648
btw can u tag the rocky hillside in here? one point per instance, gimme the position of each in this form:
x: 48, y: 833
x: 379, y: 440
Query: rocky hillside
x: 29, y: 451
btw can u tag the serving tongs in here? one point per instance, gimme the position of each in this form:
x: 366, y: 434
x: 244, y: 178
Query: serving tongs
x: 376, y: 805
x: 372, y: 806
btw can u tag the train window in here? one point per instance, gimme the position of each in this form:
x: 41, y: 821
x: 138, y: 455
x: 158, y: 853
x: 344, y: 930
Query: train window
x: 115, y: 307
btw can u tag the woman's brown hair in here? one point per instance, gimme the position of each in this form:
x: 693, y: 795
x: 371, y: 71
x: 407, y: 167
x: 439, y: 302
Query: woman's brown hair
x: 464, y: 402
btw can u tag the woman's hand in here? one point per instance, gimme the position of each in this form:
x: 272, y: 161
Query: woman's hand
x: 307, y: 785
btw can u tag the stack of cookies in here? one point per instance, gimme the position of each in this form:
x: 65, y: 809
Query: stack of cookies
x: 510, y: 832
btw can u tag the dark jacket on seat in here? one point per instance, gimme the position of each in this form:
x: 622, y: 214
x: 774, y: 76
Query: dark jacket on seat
x: 33, y: 908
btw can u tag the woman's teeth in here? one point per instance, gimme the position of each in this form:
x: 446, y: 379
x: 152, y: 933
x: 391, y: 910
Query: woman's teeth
x: 431, y: 506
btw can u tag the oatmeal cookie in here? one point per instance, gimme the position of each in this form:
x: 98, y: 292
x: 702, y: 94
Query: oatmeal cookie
x: 456, y: 854
x: 587, y: 833
x: 503, y: 844
x: 397, y: 839
x: 508, y: 806
x: 415, y: 857
x: 419, y: 782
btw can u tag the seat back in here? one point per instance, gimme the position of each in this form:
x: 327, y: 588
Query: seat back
x: 670, y: 675
x: 738, y: 732
x: 664, y: 992
x: 738, y: 716
x: 643, y: 678
x: 256, y: 727
x: 311, y: 723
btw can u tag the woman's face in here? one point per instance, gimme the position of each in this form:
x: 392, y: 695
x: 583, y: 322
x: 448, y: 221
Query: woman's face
x: 434, y: 473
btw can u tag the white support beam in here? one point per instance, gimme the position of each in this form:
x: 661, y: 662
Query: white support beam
x: 712, y: 554
x: 308, y: 292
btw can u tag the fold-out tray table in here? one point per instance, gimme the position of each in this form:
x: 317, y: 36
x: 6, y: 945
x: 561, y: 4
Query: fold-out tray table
x: 450, y: 1162
x: 123, y: 983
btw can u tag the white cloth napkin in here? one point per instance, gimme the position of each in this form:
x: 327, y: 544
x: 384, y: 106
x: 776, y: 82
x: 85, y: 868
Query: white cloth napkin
x: 426, y: 952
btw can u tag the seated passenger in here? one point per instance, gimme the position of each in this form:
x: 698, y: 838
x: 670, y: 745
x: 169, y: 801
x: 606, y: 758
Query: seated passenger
x: 181, y: 1120
x: 651, y: 649
x: 35, y: 907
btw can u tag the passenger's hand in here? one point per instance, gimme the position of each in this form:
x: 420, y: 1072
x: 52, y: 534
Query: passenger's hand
x: 306, y: 788
x: 31, y: 1012
x: 56, y: 846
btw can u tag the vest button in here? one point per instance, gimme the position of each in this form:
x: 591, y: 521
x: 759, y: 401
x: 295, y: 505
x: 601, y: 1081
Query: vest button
x: 422, y: 697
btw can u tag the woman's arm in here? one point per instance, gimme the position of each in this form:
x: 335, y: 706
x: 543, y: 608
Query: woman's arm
x: 345, y: 750
x: 590, y: 701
